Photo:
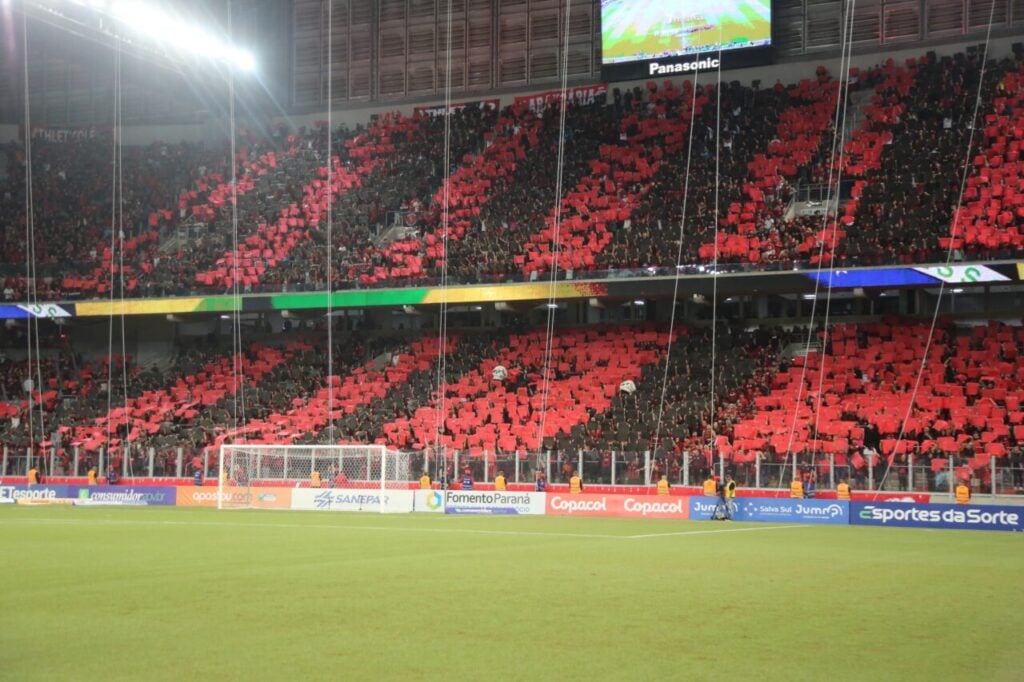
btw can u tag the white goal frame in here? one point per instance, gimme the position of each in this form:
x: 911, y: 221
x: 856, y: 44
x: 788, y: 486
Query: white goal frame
x: 373, y: 468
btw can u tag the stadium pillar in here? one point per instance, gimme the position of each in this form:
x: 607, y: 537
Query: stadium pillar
x: 613, y: 467
x: 721, y: 467
x: 124, y: 461
x: 53, y: 460
x: 206, y: 467
x: 455, y: 459
x: 485, y: 466
x: 4, y: 471
x: 757, y: 470
x: 686, y: 468
x: 647, y: 467
x: 177, y: 470
x: 150, y: 463
x: 74, y: 472
x: 992, y: 476
x: 547, y: 465
x: 871, y: 474
x: 910, y: 471
x: 832, y: 470
x: 517, y: 467
x: 951, y: 479
x: 102, y: 470
x: 579, y: 460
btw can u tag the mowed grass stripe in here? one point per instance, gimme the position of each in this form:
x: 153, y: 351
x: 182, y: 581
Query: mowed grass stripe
x: 167, y: 594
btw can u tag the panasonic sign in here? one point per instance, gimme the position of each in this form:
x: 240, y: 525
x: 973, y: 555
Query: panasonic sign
x: 659, y: 69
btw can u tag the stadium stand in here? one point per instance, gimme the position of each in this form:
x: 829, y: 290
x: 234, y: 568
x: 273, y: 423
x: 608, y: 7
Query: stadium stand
x: 622, y: 181
x: 967, y: 406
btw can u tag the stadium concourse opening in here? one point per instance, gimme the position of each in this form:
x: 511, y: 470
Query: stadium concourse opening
x: 614, y: 269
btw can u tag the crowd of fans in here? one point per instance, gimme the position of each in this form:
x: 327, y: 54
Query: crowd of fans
x: 623, y: 174
x: 617, y: 389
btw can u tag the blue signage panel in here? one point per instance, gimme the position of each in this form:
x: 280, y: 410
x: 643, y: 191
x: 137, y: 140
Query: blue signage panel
x: 914, y: 515
x: 883, y: 277
x: 778, y: 510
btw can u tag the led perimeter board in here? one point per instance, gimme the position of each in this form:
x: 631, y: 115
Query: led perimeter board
x: 657, y: 38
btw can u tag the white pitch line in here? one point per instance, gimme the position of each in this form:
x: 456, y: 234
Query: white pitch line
x: 710, y: 532
x: 401, y: 529
x: 407, y: 529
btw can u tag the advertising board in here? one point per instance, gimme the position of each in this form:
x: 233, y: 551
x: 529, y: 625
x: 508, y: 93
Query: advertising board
x: 428, y: 501
x: 351, y: 500
x: 37, y: 493
x: 962, y: 517
x: 146, y: 496
x: 775, y: 510
x: 256, y: 498
x: 492, y: 502
x: 628, y: 506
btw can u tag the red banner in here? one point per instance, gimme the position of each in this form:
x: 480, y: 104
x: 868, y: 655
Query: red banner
x: 583, y: 95
x: 630, y: 506
x: 438, y: 110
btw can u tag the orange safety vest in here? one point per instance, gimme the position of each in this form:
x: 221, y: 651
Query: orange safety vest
x: 710, y: 487
x: 843, y: 491
x: 314, y: 479
x: 796, y: 489
x: 499, y: 483
x: 575, y: 485
x: 92, y: 477
x: 424, y: 482
x: 963, y: 494
x: 663, y: 487
x: 33, y: 476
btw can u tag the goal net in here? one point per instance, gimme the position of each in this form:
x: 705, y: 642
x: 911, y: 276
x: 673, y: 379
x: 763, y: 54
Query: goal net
x: 367, y: 478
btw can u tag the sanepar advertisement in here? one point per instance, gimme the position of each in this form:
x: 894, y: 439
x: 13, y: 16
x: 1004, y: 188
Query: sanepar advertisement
x: 650, y: 38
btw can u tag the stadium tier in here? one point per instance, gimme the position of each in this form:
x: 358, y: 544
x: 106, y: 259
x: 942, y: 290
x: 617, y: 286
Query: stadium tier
x: 624, y: 174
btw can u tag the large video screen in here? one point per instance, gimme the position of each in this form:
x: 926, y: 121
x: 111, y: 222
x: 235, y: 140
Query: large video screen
x: 639, y: 32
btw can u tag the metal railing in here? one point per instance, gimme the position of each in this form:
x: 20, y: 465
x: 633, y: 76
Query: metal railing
x: 935, y: 476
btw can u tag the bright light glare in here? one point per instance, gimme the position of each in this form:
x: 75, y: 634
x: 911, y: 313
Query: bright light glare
x: 161, y: 27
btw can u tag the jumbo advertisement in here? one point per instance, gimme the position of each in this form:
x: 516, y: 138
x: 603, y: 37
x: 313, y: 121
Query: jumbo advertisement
x: 639, y: 506
x: 774, y: 510
x: 256, y: 498
x: 961, y: 517
x: 492, y: 502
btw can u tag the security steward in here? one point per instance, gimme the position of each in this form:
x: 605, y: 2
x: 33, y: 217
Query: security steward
x: 963, y: 493
x: 843, y: 490
x: 796, y: 488
x: 499, y: 481
x: 710, y: 486
x: 663, y: 485
x: 575, y: 484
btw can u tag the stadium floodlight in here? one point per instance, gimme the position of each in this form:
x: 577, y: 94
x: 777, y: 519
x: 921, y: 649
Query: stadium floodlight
x: 163, y: 28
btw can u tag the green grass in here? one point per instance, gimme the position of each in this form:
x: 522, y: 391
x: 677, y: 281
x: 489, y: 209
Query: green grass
x: 190, y: 594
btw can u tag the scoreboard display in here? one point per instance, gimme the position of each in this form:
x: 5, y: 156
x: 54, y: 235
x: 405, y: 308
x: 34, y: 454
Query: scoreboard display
x: 647, y: 38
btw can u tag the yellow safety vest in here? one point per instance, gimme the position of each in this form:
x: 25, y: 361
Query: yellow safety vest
x: 575, y: 485
x: 499, y: 483
x: 796, y: 489
x: 663, y: 487
x: 963, y: 494
x: 843, y: 491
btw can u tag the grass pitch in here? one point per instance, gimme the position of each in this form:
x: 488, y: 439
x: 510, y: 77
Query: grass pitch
x: 190, y: 594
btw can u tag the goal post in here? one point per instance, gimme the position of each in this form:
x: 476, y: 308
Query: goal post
x: 324, y: 477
